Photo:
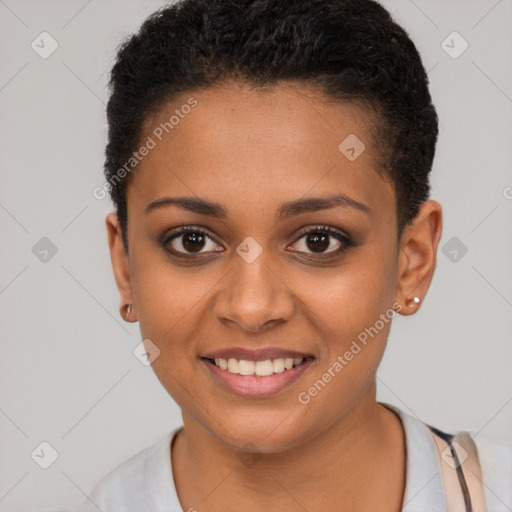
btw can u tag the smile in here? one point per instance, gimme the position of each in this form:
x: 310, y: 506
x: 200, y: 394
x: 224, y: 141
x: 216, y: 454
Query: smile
x: 260, y: 368
x: 256, y: 378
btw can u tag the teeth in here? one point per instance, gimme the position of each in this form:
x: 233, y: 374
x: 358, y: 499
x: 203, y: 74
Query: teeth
x: 278, y: 365
x: 259, y: 368
x: 246, y: 367
x: 264, y: 368
x: 233, y: 366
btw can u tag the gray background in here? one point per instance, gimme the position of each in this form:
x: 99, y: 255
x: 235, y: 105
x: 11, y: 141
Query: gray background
x: 68, y: 375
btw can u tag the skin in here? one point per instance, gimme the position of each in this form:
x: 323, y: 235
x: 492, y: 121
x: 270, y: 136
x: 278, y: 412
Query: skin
x: 250, y: 150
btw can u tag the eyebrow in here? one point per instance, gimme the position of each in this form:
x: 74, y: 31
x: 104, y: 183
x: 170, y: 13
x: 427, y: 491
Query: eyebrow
x: 285, y: 210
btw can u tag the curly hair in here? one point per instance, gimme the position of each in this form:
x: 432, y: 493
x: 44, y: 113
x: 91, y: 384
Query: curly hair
x: 350, y: 50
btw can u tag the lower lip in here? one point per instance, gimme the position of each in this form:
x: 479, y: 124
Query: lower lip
x: 253, y: 385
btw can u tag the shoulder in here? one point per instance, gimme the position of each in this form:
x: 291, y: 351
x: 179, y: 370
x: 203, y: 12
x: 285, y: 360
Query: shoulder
x: 495, y: 454
x: 425, y: 460
x: 121, y: 486
x: 128, y: 486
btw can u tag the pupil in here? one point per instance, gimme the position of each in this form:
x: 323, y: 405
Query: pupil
x: 319, y: 241
x: 191, y: 240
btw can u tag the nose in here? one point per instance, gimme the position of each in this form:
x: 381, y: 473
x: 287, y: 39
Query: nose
x: 254, y: 297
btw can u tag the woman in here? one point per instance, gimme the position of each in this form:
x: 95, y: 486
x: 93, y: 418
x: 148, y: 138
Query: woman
x: 269, y: 165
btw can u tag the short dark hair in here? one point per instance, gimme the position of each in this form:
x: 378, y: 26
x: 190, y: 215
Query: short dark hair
x: 351, y: 50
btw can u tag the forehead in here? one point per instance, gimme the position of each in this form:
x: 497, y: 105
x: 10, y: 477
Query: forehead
x: 254, y: 146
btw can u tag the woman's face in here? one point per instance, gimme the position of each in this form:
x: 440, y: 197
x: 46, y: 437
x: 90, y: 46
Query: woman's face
x: 256, y: 279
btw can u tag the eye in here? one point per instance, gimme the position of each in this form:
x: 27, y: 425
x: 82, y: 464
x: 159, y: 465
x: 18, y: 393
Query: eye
x: 190, y: 240
x: 320, y: 239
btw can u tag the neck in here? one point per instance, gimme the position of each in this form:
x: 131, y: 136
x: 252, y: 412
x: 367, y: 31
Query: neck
x: 358, y: 463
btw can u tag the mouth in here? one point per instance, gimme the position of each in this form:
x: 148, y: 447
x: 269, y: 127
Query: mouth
x: 257, y: 377
x: 263, y: 368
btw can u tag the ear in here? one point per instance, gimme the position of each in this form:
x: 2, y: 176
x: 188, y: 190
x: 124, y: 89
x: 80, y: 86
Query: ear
x: 120, y: 264
x: 417, y: 256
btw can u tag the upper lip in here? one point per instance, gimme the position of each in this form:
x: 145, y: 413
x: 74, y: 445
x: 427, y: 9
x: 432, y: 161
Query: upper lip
x: 260, y: 354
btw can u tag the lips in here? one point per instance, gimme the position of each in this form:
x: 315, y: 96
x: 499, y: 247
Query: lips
x: 256, y: 386
x: 256, y: 373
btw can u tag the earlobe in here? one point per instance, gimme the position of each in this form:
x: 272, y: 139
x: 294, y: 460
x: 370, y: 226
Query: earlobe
x: 120, y: 266
x: 417, y: 257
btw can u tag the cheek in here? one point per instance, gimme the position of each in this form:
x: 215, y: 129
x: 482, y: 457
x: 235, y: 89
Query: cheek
x: 353, y: 320
x: 352, y: 309
x: 171, y: 313
x: 347, y: 300
x: 164, y: 299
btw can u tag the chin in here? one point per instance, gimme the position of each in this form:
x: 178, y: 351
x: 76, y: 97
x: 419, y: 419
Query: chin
x: 271, y: 432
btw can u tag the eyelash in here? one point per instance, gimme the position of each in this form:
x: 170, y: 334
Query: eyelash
x: 338, y: 235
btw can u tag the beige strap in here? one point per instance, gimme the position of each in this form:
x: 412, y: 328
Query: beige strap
x: 467, y: 455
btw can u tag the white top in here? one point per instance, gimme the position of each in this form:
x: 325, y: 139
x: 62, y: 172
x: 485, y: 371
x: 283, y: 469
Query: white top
x: 145, y: 482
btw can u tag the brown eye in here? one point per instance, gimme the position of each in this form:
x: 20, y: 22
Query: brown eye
x: 190, y: 240
x: 317, y: 241
x: 323, y: 240
x: 193, y: 242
